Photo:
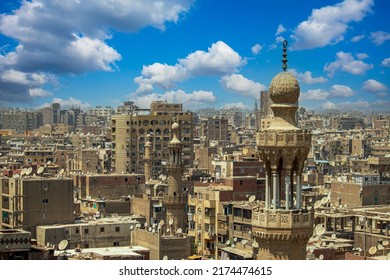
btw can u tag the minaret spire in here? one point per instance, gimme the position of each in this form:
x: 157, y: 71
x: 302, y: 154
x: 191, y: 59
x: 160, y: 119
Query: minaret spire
x: 284, y: 60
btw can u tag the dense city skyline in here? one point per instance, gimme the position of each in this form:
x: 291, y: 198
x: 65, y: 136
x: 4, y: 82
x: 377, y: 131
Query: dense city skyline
x: 198, y: 53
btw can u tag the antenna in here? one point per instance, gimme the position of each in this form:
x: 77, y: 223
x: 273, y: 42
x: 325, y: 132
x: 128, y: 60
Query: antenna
x: 40, y: 170
x: 372, y: 250
x: 252, y: 198
x: 28, y: 171
x: 63, y: 245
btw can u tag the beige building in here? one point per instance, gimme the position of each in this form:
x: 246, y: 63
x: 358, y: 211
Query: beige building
x: 129, y: 135
x: 29, y: 202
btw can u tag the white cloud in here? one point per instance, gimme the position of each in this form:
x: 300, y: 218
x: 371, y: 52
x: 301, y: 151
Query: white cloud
x: 374, y: 86
x: 386, y: 62
x: 71, y: 102
x: 315, y: 94
x: 256, y: 49
x: 38, y: 92
x: 356, y: 105
x: 362, y: 56
x: 238, y: 105
x: 242, y: 86
x: 189, y: 100
x: 307, y: 77
x: 220, y: 59
x: 347, y: 63
x: 379, y: 37
x: 358, y: 38
x: 280, y: 30
x: 328, y: 105
x: 73, y: 36
x: 341, y: 91
x: 328, y: 25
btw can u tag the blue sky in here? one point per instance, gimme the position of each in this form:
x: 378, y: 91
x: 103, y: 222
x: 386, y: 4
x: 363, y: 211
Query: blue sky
x: 200, y: 53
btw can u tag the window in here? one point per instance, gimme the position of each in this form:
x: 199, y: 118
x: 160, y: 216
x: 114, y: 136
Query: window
x: 117, y: 229
x: 101, y: 229
x: 115, y: 243
x: 77, y: 230
x: 45, y: 201
x: 86, y: 231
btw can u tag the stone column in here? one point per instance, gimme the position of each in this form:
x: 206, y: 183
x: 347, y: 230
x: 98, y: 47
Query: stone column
x: 299, y: 191
x: 274, y: 189
x: 267, y: 191
x: 287, y: 183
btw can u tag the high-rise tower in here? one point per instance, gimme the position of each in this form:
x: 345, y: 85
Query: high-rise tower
x: 175, y: 200
x: 148, y: 159
x: 283, y: 228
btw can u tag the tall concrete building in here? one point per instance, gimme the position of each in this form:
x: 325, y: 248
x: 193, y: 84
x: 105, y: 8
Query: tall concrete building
x: 129, y: 136
x: 282, y: 229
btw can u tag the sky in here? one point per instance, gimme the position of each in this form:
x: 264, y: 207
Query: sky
x: 202, y: 53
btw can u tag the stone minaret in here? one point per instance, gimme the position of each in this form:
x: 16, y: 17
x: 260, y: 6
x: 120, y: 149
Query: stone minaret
x: 175, y: 200
x: 148, y: 159
x: 283, y: 228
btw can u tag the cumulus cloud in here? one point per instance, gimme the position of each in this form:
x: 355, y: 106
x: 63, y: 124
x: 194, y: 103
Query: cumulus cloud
x: 238, y: 105
x: 56, y: 37
x: 280, y: 30
x: 379, y: 37
x: 341, y: 91
x: 355, y: 105
x: 315, y: 94
x: 220, y: 59
x: 71, y: 102
x: 347, y: 63
x: 242, y: 86
x: 307, y: 77
x: 372, y: 85
x: 357, y: 38
x: 256, y: 49
x: 328, y: 105
x: 38, y: 92
x: 189, y: 100
x: 386, y: 62
x: 327, y: 25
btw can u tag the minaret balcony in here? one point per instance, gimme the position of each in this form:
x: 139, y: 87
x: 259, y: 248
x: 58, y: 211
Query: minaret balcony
x: 282, y: 219
x: 283, y: 138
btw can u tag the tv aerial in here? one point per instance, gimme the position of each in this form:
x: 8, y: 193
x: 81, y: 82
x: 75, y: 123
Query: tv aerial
x: 40, y: 170
x: 372, y: 250
x: 63, y: 245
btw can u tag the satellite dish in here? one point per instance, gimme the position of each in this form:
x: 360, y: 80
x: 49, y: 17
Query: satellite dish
x: 63, y: 245
x: 190, y: 218
x: 372, y: 250
x: 99, y: 146
x: 385, y: 242
x: 154, y: 225
x: 380, y: 247
x: 40, y: 170
x: 28, y: 171
x: 61, y: 172
x: 321, y: 257
x: 145, y: 224
x: 131, y: 227
x: 168, y: 230
x: 320, y: 230
x: 235, y: 239
x: 138, y: 225
x: 48, y: 162
x: 159, y: 227
x: 22, y: 172
x: 233, y: 245
x: 311, y: 249
x: 170, y: 222
x: 331, y: 244
x: 165, y: 258
x: 317, y: 204
x: 255, y: 244
x: 333, y: 236
x: 243, y: 242
x: 324, y: 200
x: 153, y: 231
x: 227, y: 242
x: 179, y: 230
x: 149, y: 229
x: 252, y: 198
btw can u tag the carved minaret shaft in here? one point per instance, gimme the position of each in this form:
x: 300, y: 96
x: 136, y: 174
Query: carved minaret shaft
x: 148, y: 159
x: 283, y: 228
x: 175, y: 199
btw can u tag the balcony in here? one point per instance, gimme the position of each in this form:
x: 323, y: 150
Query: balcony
x: 242, y: 220
x: 283, y: 219
x: 222, y: 231
x: 222, y: 217
x: 209, y: 204
x: 208, y: 235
